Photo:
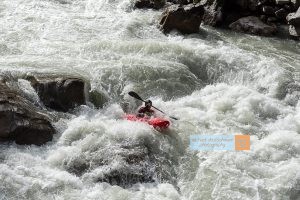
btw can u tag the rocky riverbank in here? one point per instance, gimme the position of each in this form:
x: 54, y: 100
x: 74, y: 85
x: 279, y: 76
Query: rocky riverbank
x: 258, y: 17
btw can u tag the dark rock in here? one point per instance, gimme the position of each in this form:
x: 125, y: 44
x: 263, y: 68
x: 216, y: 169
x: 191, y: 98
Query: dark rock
x: 295, y: 3
x: 154, y: 4
x: 213, y: 12
x: 61, y: 94
x: 268, y: 10
x: 185, y: 19
x: 97, y: 98
x: 263, y: 18
x: 20, y: 121
x: 271, y: 19
x: 253, y: 25
x: 253, y: 5
x: 294, y: 18
x: 287, y: 8
x: 242, y: 4
x: 282, y: 2
x: 261, y: 2
x: 181, y: 2
x: 281, y: 13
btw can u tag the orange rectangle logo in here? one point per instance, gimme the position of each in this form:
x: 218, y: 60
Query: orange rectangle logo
x: 242, y: 142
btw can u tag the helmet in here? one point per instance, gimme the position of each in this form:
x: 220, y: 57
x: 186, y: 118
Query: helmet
x: 148, y: 103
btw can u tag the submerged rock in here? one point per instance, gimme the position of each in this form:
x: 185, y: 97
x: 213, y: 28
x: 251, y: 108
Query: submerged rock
x: 20, y: 121
x: 123, y: 165
x: 253, y: 25
x: 185, y: 19
x: 97, y: 98
x: 61, y: 94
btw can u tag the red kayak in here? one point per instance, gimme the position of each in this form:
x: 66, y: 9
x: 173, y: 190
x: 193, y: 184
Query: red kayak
x: 159, y: 123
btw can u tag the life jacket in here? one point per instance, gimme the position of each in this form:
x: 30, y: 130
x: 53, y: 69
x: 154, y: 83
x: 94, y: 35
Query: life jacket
x: 146, y: 110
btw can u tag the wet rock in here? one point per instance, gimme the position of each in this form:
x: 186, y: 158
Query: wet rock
x: 154, y: 4
x: 281, y: 2
x: 294, y: 18
x: 281, y: 13
x: 21, y: 121
x: 213, y: 12
x: 253, y: 5
x: 271, y: 20
x: 294, y: 22
x: 268, y: 10
x: 263, y: 18
x: 242, y: 4
x: 253, y: 25
x: 294, y: 31
x: 295, y: 3
x: 185, y: 19
x: 134, y: 164
x: 97, y: 98
x: 60, y: 94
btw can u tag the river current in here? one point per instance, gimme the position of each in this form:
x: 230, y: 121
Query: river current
x: 216, y: 82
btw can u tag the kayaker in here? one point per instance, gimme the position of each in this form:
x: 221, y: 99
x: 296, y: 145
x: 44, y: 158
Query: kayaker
x: 146, y: 110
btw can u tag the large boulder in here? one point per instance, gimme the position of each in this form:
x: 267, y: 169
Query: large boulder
x: 185, y: 19
x: 20, y: 121
x: 154, y: 4
x: 60, y: 94
x: 253, y: 25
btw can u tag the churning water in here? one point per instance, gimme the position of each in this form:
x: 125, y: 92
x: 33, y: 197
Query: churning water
x: 217, y: 82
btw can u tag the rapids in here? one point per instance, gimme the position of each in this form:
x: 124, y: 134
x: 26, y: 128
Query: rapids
x: 216, y: 82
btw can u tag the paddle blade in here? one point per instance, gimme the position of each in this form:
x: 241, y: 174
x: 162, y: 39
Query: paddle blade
x: 135, y: 95
x: 173, y: 118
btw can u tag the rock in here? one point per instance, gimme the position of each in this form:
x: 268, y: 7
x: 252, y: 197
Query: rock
x: 271, y: 20
x: 281, y: 2
x: 281, y: 13
x: 294, y: 18
x: 261, y: 2
x: 268, y: 10
x: 263, y: 18
x: 181, y: 2
x: 253, y: 25
x: 294, y: 31
x: 154, y: 4
x: 137, y: 164
x: 20, y: 121
x: 185, y: 19
x: 242, y: 4
x: 253, y: 5
x: 296, y: 3
x: 60, y: 94
x: 97, y: 98
x: 213, y: 12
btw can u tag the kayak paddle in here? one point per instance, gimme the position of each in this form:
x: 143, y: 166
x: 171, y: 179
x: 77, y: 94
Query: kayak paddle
x: 135, y: 95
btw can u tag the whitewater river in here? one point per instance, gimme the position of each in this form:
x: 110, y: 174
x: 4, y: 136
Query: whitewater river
x: 216, y: 82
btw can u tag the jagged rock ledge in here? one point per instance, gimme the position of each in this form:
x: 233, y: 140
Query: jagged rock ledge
x: 25, y: 121
x: 21, y: 121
